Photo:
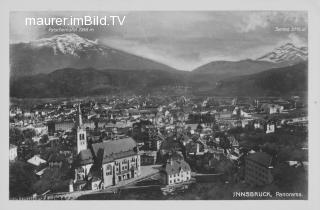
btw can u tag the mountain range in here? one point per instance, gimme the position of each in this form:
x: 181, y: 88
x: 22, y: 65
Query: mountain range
x: 286, y: 54
x: 289, y: 80
x: 69, y: 65
x: 72, y: 51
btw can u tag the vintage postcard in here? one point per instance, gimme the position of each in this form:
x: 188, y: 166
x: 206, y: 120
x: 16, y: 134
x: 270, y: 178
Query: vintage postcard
x: 163, y: 105
x: 158, y: 105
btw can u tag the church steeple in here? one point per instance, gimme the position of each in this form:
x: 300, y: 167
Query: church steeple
x: 81, y: 134
x: 80, y: 116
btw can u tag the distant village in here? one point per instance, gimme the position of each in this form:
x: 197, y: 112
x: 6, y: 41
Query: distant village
x: 63, y: 149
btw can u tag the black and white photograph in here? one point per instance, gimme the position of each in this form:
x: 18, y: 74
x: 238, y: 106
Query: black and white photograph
x: 158, y: 105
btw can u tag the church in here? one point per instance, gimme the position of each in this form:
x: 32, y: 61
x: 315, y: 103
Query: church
x: 104, y: 164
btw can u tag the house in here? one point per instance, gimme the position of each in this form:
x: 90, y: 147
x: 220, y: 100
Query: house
x: 271, y: 108
x: 191, y: 127
x: 155, y: 140
x: 89, y: 124
x: 148, y: 157
x: 245, y: 122
x: 270, y: 128
x: 197, y: 147
x: 60, y: 126
x: 258, y: 169
x: 240, y: 113
x: 13, y: 152
x: 257, y: 124
x: 36, y: 160
x: 225, y: 114
x: 41, y: 172
x: 175, y: 172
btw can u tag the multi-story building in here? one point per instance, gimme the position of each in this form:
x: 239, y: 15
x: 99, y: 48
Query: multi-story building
x: 54, y: 126
x: 175, y: 172
x: 148, y: 157
x: 258, y: 169
x: 271, y: 108
x: 13, y: 152
x: 106, y: 163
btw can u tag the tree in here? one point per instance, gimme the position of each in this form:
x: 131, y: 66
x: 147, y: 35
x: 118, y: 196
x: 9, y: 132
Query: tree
x: 225, y: 166
x: 15, y: 136
x: 44, y: 139
x: 53, y: 179
x: 29, y: 133
x: 21, y: 179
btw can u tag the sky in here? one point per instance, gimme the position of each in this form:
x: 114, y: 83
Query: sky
x: 183, y: 40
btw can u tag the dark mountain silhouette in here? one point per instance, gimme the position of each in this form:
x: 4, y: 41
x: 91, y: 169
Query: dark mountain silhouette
x: 289, y: 80
x: 225, y: 69
x: 74, y: 82
x: 83, y: 82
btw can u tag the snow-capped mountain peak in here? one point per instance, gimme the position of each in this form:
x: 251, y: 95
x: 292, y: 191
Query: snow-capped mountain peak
x: 286, y: 53
x: 69, y: 44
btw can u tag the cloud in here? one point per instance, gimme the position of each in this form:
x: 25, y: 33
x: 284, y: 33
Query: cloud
x: 253, y: 21
x: 184, y: 40
x: 269, y: 19
x: 297, y: 40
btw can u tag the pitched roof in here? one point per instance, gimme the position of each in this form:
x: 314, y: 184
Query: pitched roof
x: 261, y: 158
x: 114, y: 149
x: 36, y: 160
x: 175, y: 166
x: 11, y: 146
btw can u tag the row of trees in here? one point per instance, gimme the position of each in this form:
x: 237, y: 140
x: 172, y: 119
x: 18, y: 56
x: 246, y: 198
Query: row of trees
x: 24, y: 182
x: 17, y: 136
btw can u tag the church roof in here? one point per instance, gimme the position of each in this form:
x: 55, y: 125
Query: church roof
x: 114, y: 149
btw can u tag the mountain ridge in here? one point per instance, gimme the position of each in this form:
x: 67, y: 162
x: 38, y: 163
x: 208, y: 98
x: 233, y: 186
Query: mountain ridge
x: 287, y: 53
x: 286, y: 80
x: 284, y: 55
x: 70, y: 82
x: 72, y: 51
x: 84, y: 82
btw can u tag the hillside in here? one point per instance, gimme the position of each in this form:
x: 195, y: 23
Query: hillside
x: 284, y: 55
x: 224, y: 69
x: 83, y: 82
x: 278, y: 81
x: 72, y: 51
x: 74, y: 82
